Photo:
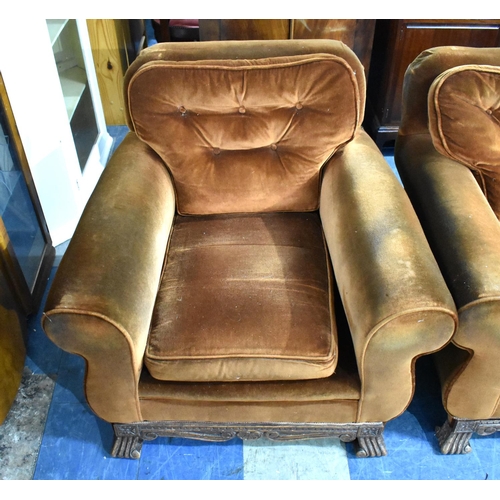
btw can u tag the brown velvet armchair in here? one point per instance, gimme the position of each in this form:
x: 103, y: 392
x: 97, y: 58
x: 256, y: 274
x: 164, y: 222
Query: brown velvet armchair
x: 448, y: 155
x: 248, y: 265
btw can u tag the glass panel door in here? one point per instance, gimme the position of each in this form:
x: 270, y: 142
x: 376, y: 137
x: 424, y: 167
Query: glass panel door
x: 26, y: 253
x: 17, y: 211
x: 74, y: 83
x: 24, y: 240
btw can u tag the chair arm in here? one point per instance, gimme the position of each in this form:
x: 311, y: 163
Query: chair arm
x: 460, y: 226
x: 464, y: 234
x: 396, y: 301
x: 101, y: 301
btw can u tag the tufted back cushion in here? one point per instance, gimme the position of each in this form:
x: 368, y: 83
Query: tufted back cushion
x: 464, y: 122
x: 245, y: 135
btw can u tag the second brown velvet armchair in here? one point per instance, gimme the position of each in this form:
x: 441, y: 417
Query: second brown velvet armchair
x: 248, y: 264
x: 448, y: 155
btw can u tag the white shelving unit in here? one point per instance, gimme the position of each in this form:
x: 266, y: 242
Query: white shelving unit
x: 53, y: 91
x: 72, y: 72
x: 73, y: 83
x: 55, y: 27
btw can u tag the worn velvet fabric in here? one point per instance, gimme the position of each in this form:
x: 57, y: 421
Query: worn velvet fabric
x: 102, y: 298
x: 331, y: 399
x: 246, y: 51
x: 245, y: 136
x: 244, y: 298
x: 422, y: 72
x: 461, y: 227
x: 464, y: 122
x: 395, y: 299
x: 143, y: 277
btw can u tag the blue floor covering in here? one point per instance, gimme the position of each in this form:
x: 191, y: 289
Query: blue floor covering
x: 76, y: 444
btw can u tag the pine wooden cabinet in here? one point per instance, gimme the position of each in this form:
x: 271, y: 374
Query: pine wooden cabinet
x: 115, y: 44
x: 396, y: 43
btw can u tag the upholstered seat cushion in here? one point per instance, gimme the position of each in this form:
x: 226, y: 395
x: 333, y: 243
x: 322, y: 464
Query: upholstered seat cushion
x: 244, y: 298
x: 464, y: 122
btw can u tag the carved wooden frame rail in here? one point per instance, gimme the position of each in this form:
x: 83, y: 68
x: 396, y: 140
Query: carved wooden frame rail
x: 130, y: 437
x: 454, y: 436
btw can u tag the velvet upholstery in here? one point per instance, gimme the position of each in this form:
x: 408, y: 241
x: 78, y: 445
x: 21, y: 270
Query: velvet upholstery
x: 245, y: 136
x: 244, y: 298
x: 104, y: 291
x: 248, y: 50
x: 338, y: 289
x: 331, y: 399
x: 464, y: 122
x: 459, y: 223
x: 396, y: 301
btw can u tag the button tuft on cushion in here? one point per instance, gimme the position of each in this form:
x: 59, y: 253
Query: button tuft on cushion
x: 216, y: 151
x: 299, y: 105
x: 182, y: 109
x: 252, y: 178
x: 274, y: 147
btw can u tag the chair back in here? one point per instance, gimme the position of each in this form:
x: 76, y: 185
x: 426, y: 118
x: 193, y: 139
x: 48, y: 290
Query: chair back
x: 246, y: 126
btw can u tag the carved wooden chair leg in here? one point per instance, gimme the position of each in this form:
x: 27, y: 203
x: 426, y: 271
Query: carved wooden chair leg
x: 127, y: 447
x: 126, y: 444
x: 370, y: 442
x: 453, y: 437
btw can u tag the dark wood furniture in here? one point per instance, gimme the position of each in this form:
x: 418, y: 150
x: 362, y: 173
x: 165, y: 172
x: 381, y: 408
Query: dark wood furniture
x: 176, y: 30
x: 397, y: 42
x: 355, y: 33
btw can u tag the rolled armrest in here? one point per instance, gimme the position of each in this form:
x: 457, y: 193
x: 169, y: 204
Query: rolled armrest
x: 464, y: 234
x: 461, y: 227
x: 396, y: 301
x: 101, y: 301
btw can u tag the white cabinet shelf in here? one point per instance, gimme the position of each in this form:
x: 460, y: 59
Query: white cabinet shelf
x: 55, y: 27
x: 68, y: 55
x: 73, y: 83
